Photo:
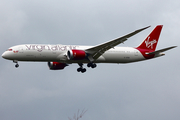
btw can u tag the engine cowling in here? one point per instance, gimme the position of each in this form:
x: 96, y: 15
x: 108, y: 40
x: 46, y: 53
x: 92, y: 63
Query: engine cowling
x: 56, y: 65
x: 76, y: 54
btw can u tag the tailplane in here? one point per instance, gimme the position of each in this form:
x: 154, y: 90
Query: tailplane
x: 151, y: 41
x: 160, y: 51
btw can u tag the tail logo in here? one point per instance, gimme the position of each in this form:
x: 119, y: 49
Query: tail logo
x: 150, y: 43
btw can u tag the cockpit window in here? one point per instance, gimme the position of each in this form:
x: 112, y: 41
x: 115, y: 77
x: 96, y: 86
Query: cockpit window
x: 9, y: 50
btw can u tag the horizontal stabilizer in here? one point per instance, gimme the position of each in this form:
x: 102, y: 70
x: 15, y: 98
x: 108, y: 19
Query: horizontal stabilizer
x: 162, y: 50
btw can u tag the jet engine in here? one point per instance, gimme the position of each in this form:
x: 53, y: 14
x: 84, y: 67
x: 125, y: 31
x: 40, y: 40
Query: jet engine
x: 56, y: 65
x: 76, y: 54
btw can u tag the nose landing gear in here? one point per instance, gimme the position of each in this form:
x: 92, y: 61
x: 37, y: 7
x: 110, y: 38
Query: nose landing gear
x: 17, y: 65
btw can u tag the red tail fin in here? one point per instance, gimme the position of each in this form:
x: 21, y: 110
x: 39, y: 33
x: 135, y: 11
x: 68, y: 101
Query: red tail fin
x: 151, y: 41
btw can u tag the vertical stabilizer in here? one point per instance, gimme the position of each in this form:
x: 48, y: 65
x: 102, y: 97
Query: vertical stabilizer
x: 151, y: 41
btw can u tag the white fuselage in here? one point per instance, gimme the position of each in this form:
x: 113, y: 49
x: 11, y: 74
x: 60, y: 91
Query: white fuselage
x: 59, y: 56
x: 37, y: 52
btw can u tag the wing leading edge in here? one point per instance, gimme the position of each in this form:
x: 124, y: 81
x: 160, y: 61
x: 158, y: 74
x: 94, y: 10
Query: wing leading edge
x: 95, y: 52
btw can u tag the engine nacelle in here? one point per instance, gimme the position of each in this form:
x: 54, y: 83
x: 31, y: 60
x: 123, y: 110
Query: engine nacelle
x: 76, y: 54
x: 56, y: 65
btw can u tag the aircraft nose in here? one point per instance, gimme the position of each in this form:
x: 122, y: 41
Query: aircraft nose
x: 4, y: 55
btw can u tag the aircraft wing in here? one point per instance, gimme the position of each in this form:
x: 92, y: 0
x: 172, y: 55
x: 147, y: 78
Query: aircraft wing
x: 95, y: 52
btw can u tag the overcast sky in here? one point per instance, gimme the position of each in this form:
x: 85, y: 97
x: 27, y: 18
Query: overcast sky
x: 147, y: 90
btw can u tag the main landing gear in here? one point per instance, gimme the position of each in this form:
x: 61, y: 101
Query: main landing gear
x: 81, y: 69
x: 17, y: 65
x: 92, y: 65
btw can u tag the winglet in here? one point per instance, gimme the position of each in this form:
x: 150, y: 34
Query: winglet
x: 144, y: 28
x: 135, y: 32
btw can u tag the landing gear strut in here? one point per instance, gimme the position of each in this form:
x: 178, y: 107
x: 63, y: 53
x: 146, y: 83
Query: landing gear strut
x: 81, y: 69
x: 17, y: 65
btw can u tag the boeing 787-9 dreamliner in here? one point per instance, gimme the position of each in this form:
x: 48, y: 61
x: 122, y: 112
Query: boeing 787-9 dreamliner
x: 59, y: 56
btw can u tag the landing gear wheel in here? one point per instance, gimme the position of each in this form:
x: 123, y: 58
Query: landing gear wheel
x: 89, y: 64
x: 17, y: 65
x: 81, y: 69
x: 92, y: 65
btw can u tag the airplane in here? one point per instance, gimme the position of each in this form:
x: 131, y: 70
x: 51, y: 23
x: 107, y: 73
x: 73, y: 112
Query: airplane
x: 59, y: 56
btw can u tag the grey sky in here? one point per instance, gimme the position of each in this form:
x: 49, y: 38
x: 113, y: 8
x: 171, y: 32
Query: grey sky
x: 140, y: 91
